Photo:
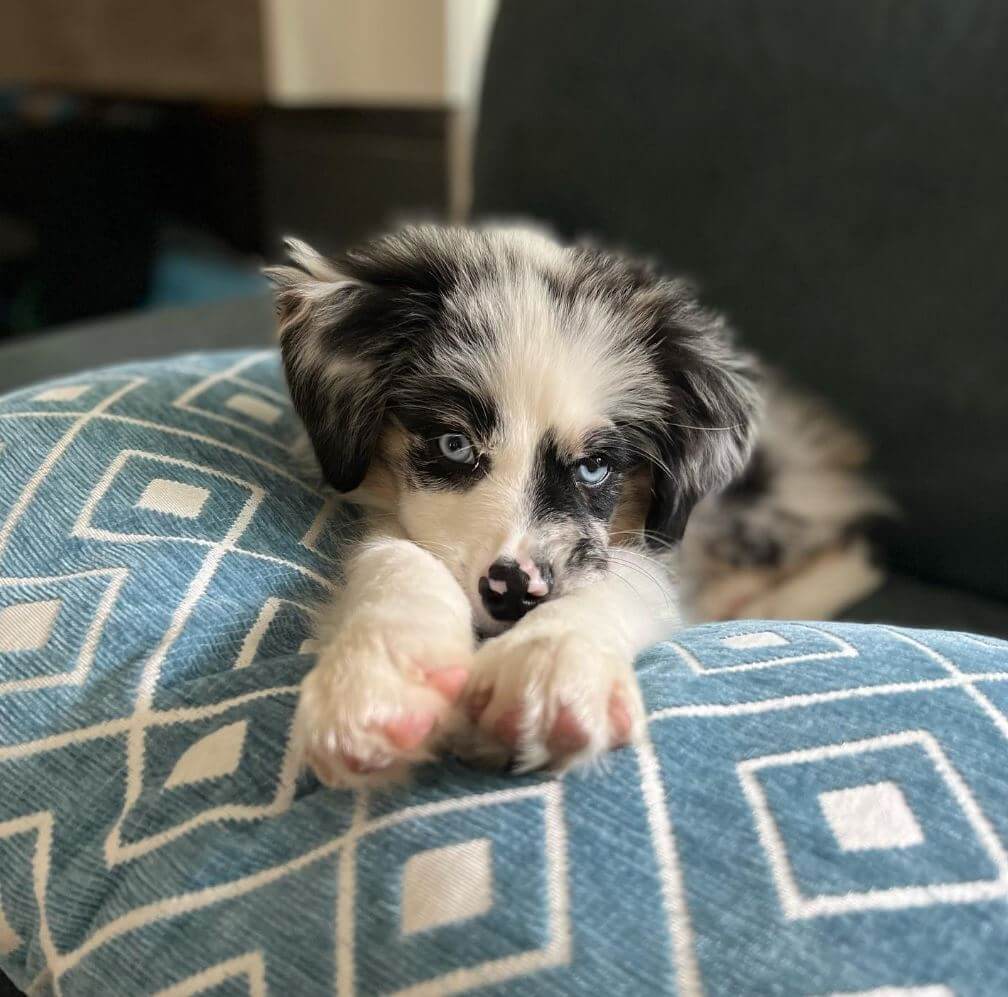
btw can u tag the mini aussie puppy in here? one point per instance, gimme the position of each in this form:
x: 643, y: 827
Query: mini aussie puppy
x: 527, y: 428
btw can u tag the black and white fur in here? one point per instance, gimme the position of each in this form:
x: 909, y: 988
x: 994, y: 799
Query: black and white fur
x: 545, y: 367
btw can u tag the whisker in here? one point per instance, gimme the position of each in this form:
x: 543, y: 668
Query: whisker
x: 657, y: 582
x: 707, y: 429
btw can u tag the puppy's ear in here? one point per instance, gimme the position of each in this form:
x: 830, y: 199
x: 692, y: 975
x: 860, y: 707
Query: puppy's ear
x: 334, y: 347
x: 706, y: 436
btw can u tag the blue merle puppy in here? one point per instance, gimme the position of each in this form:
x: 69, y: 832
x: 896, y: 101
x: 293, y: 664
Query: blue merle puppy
x: 528, y: 427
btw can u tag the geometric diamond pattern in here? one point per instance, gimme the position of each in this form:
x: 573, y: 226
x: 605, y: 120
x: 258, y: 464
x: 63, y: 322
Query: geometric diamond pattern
x: 26, y: 626
x: 866, y: 817
x: 815, y: 804
x: 446, y: 885
x: 62, y: 393
x: 255, y: 408
x: 173, y: 498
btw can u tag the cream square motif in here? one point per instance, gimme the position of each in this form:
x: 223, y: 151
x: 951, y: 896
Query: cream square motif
x: 254, y: 408
x: 743, y: 642
x: 868, y: 817
x: 27, y: 626
x: 447, y: 885
x: 175, y: 498
x: 62, y: 393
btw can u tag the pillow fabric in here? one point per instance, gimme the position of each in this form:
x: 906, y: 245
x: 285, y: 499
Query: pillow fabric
x: 819, y: 809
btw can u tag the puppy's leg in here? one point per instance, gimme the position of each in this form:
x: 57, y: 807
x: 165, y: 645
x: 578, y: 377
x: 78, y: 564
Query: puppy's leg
x: 395, y: 653
x: 559, y: 688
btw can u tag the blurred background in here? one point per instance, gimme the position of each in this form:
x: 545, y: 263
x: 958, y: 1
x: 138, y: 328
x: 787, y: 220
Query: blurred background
x: 833, y: 173
x: 152, y: 153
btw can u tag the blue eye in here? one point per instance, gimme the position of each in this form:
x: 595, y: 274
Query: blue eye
x: 457, y: 448
x: 592, y: 471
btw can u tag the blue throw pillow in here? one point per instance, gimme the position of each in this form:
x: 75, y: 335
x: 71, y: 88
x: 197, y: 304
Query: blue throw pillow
x: 820, y: 809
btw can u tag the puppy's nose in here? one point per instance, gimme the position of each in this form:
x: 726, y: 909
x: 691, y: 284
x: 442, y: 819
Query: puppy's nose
x: 511, y: 588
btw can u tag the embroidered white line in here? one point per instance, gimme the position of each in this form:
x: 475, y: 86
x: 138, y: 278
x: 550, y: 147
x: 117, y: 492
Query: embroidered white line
x: 844, y: 650
x: 42, y: 824
x: 280, y: 396
x: 800, y: 700
x: 680, y: 928
x: 120, y: 725
x: 213, y: 441
x: 1000, y: 721
x: 53, y: 457
x: 346, y: 970
x: 250, y: 646
x: 89, y: 647
x: 251, y: 966
x: 183, y: 402
x: 130, y: 420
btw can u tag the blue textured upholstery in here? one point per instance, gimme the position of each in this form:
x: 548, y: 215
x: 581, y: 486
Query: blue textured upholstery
x: 819, y: 809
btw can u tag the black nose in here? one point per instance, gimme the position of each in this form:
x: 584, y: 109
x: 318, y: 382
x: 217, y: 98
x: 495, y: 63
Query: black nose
x: 505, y: 590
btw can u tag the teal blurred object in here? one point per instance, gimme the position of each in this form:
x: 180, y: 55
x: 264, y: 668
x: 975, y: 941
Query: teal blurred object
x: 183, y: 277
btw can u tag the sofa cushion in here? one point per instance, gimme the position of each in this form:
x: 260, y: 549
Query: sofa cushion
x: 815, y: 805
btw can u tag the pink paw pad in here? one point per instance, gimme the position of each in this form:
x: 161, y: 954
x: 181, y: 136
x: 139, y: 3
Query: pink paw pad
x: 408, y: 732
x: 448, y: 681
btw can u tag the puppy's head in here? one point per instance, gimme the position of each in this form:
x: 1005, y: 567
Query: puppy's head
x: 520, y: 407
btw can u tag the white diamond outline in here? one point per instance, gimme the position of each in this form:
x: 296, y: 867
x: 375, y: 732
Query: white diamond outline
x: 556, y: 952
x: 843, y: 650
x: 310, y: 540
x: 85, y: 530
x: 956, y: 679
x: 254, y: 638
x: 92, y: 636
x: 251, y: 965
x: 798, y: 906
x: 229, y: 375
x: 54, y: 455
x: 129, y: 420
x: 42, y: 823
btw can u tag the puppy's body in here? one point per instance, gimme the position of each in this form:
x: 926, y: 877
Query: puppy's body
x: 528, y: 427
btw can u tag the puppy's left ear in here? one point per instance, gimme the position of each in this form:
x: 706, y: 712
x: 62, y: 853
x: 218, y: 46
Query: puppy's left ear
x: 333, y: 339
x: 707, y: 434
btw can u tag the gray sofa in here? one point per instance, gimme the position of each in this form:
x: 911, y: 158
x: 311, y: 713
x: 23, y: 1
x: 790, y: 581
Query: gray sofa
x: 833, y: 173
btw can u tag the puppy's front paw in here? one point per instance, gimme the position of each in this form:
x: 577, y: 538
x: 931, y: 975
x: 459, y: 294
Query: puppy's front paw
x: 553, y: 698
x: 380, y: 700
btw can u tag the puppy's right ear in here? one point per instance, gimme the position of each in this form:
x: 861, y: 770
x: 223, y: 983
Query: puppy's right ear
x: 330, y: 341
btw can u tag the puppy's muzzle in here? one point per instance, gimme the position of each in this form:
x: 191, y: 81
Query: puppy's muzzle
x: 510, y: 589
